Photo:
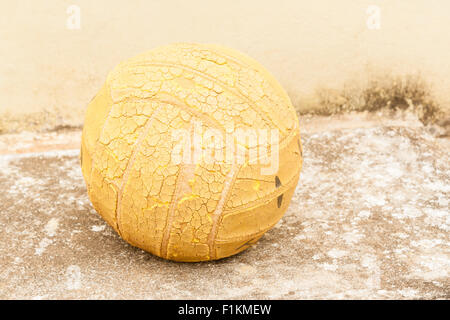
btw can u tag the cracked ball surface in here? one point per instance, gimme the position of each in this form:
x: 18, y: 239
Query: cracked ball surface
x: 192, y: 210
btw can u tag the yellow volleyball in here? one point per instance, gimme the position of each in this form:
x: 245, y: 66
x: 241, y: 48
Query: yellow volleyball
x: 191, y: 151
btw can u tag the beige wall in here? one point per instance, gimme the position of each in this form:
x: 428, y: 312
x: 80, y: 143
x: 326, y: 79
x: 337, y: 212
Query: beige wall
x: 305, y: 44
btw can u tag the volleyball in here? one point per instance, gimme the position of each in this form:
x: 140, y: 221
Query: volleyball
x: 191, y: 151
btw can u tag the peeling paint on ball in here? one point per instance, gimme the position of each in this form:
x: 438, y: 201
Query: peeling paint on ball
x: 187, y: 211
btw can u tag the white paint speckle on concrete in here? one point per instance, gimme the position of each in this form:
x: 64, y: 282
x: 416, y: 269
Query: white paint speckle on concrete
x: 43, y: 244
x: 51, y: 227
x: 98, y: 228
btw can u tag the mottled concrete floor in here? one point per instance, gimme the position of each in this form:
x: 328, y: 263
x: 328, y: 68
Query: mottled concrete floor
x: 369, y: 219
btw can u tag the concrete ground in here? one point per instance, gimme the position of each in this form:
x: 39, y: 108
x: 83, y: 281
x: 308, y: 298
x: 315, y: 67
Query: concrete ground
x: 369, y: 219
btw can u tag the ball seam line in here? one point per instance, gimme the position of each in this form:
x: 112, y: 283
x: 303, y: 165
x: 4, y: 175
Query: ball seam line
x: 202, y: 116
x: 236, y: 92
x: 228, y: 184
x: 170, y: 214
x: 250, y: 64
x: 275, y: 193
x: 129, y: 166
